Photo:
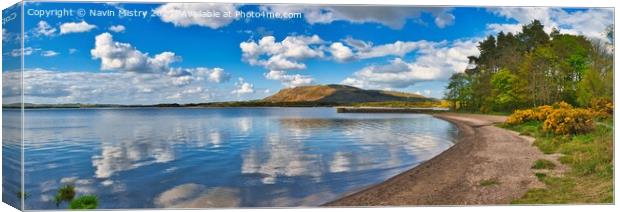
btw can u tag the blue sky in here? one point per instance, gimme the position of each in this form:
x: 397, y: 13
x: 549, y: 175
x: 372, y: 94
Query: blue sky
x: 168, y: 57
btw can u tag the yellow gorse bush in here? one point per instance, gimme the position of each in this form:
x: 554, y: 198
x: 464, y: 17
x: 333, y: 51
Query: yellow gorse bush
x: 569, y: 121
x: 535, y: 114
x: 602, y: 107
x: 520, y: 116
x: 562, y: 105
x: 562, y: 118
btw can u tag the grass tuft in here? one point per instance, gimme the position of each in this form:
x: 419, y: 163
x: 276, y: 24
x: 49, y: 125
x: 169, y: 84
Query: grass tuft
x: 543, y: 164
x: 540, y: 176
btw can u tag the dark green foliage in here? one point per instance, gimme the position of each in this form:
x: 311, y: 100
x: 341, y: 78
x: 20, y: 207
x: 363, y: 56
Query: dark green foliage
x: 533, y: 35
x: 65, y: 193
x: 459, y: 91
x: 540, y: 176
x: 84, y: 202
x: 543, y: 164
x: 507, y: 90
x: 533, y: 68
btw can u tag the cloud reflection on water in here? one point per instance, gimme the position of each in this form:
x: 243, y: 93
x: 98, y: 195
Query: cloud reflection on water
x: 369, y: 144
x: 280, y: 157
x: 193, y: 195
x: 186, y: 158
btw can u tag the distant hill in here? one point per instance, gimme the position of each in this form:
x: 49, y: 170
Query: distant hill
x: 342, y: 94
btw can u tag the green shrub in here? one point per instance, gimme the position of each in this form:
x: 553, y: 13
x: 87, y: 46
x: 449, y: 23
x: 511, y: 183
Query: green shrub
x: 543, y: 164
x: 540, y: 176
x: 84, y: 202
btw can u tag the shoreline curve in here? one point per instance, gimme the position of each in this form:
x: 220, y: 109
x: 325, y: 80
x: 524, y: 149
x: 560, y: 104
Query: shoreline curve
x: 482, y: 153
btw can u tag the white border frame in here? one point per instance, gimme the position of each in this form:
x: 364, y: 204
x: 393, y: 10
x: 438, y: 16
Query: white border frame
x: 481, y: 3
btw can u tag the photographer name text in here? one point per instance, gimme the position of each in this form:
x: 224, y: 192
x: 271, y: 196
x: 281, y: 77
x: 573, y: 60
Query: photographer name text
x: 122, y: 13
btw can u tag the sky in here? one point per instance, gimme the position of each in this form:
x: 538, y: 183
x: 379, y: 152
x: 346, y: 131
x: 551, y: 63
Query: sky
x: 181, y: 53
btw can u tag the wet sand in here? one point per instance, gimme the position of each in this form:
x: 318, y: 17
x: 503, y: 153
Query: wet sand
x: 487, y: 165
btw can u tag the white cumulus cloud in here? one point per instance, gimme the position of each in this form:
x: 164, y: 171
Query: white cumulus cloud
x: 443, y: 19
x: 117, y: 28
x: 218, y: 75
x: 280, y: 57
x: 43, y: 28
x: 341, y: 52
x: 434, y: 62
x: 46, y: 86
x: 243, y: 87
x: 76, y: 27
x: 589, y: 22
x: 123, y: 56
x: 289, y: 80
x: 366, y: 50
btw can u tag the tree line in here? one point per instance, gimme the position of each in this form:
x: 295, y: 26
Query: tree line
x: 533, y: 68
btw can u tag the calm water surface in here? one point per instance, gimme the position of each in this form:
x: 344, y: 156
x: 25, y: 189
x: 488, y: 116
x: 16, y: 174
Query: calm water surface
x: 228, y: 157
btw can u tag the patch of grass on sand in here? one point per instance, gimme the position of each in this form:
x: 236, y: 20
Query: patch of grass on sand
x: 543, y: 164
x: 590, y: 158
x: 540, y: 176
x: 488, y: 182
x: 531, y: 128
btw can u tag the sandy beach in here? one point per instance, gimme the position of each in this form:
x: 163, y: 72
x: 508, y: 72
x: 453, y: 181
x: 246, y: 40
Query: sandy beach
x: 487, y: 165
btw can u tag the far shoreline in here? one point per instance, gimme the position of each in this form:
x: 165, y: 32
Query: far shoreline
x: 341, y: 108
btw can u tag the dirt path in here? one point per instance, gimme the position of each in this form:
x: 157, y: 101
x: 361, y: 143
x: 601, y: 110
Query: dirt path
x: 488, y: 165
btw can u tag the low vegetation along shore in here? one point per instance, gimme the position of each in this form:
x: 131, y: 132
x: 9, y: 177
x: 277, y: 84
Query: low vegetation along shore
x: 559, y: 89
x: 582, y: 140
x: 545, y: 155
